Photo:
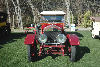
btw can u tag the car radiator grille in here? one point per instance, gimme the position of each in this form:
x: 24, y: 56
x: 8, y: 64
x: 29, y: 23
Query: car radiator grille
x: 51, y: 35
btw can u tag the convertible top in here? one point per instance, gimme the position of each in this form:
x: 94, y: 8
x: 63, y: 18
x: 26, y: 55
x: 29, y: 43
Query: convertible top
x: 52, y: 13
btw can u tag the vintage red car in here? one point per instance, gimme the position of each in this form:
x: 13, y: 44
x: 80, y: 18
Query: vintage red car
x: 50, y: 34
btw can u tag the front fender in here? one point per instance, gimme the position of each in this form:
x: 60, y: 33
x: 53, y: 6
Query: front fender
x: 73, y: 39
x: 30, y: 38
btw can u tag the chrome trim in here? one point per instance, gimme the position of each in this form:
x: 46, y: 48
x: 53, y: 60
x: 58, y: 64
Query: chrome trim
x: 51, y: 22
x: 58, y: 36
x: 51, y: 43
x: 41, y: 35
x: 52, y: 26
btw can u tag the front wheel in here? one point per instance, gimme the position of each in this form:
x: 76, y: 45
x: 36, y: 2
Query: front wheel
x: 72, y: 53
x: 31, y: 52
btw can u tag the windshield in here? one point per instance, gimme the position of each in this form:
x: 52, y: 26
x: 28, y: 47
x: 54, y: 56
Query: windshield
x: 52, y: 18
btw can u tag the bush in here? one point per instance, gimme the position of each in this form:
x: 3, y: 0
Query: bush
x: 87, y: 21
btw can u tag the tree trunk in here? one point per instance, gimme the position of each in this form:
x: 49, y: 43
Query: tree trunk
x: 8, y: 11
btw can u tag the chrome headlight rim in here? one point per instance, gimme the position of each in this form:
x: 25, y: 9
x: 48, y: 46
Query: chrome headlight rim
x: 60, y: 41
x: 42, y: 38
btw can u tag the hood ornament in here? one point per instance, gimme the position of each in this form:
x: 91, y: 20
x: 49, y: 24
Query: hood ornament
x: 52, y: 25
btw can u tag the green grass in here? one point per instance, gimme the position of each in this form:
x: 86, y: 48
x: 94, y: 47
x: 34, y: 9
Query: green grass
x: 16, y: 29
x: 13, y: 53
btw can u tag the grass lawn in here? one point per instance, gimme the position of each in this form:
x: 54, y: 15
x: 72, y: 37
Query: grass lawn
x: 24, y: 29
x: 13, y: 53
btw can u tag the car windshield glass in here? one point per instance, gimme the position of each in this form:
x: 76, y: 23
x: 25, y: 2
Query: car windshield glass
x: 52, y: 18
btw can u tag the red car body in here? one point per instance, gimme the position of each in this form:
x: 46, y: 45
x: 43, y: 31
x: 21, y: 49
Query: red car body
x: 71, y: 41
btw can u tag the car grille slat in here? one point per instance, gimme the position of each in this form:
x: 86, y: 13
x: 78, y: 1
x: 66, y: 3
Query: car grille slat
x: 52, y: 35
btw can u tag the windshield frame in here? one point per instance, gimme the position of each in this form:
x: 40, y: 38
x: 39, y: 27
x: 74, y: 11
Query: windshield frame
x: 55, y: 18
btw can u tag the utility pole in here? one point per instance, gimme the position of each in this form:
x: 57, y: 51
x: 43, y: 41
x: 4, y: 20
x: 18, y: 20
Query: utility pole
x: 68, y: 12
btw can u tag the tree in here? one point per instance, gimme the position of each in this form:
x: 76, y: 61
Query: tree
x: 87, y: 20
x: 78, y: 7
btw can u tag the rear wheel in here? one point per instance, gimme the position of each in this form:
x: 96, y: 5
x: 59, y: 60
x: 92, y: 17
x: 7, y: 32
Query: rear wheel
x: 31, y: 52
x: 72, y: 54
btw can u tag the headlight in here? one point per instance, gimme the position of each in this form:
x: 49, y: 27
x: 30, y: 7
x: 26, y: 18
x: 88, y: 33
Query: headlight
x: 38, y: 24
x: 42, y: 38
x: 61, y: 38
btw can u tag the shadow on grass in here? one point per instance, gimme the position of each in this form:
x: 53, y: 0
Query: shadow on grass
x: 12, y: 38
x: 80, y: 51
x: 38, y: 58
x: 76, y: 29
x: 1, y: 47
x: 78, y: 34
x: 97, y: 38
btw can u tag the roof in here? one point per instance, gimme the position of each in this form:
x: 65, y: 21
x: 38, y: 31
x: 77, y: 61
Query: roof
x: 96, y: 19
x: 52, y: 13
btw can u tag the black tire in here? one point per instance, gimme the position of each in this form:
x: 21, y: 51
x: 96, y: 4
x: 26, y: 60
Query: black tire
x: 30, y: 51
x: 72, y: 54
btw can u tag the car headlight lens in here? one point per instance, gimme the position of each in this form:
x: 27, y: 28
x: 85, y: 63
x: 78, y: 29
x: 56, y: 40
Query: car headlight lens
x: 42, y: 38
x: 61, y: 38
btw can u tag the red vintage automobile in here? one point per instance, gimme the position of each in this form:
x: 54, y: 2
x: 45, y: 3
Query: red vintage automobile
x: 50, y: 34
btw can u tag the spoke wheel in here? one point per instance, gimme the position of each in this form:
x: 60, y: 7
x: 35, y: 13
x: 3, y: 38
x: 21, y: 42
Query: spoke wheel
x: 72, y: 53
